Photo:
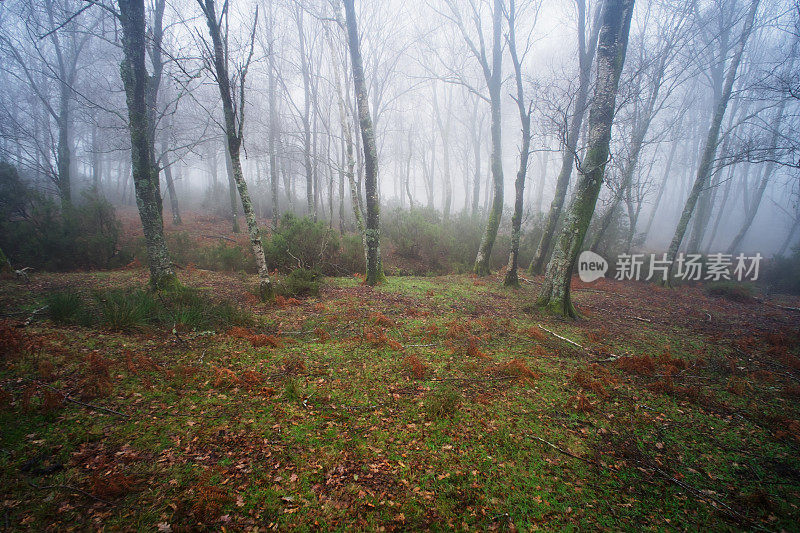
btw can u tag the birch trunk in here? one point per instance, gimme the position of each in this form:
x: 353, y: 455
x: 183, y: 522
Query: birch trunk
x: 375, y: 273
x: 234, y: 138
x: 494, y: 82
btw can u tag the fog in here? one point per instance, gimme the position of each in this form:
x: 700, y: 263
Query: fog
x: 430, y: 104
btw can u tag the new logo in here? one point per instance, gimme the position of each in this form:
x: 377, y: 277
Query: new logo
x: 591, y: 266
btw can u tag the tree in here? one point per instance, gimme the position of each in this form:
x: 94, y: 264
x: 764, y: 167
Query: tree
x: 375, y: 273
x: 491, y: 72
x: 586, y: 52
x: 234, y: 126
x: 145, y: 173
x: 51, y: 72
x: 512, y: 279
x: 710, y: 148
x: 611, y: 49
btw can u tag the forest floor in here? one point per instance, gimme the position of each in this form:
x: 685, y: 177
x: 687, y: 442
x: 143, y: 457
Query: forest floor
x: 427, y: 403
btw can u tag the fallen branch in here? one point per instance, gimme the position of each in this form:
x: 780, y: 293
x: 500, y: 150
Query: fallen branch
x: 611, y: 356
x: 68, y: 398
x: 560, y: 337
x: 70, y: 488
x: 33, y: 314
x: 562, y: 450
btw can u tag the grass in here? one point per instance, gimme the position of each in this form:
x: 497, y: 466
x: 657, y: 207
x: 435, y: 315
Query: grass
x: 131, y: 309
x: 338, y: 432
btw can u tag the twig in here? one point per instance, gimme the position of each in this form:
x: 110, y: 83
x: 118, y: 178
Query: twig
x: 560, y: 337
x: 33, y: 314
x: 69, y: 487
x: 562, y: 450
x: 642, y: 319
x: 68, y: 398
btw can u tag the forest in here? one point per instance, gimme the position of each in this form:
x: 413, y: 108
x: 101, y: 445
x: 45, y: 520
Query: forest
x: 342, y: 265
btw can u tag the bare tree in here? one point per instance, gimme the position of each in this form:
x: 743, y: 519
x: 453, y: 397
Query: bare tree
x: 233, y: 110
x: 710, y: 149
x: 511, y: 278
x: 586, y: 52
x: 372, y: 230
x: 145, y: 173
x: 611, y: 49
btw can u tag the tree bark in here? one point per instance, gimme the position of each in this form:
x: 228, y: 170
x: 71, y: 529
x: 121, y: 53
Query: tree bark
x: 494, y: 81
x: 586, y: 52
x: 234, y: 136
x: 710, y: 150
x: 611, y: 49
x: 512, y: 278
x: 372, y: 230
x: 145, y: 174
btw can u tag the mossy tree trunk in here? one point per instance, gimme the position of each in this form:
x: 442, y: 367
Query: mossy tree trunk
x: 512, y: 278
x: 375, y: 273
x: 234, y: 131
x: 611, y: 49
x: 494, y: 81
x: 710, y: 149
x: 145, y: 174
x: 586, y: 52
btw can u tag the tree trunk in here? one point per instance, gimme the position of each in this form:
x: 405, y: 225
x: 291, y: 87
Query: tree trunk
x: 710, y: 150
x: 232, y: 192
x: 611, y: 49
x: 173, y: 198
x: 234, y: 137
x: 494, y: 81
x: 512, y: 279
x: 661, y: 188
x: 586, y: 52
x: 755, y: 201
x: 145, y: 174
x: 375, y: 273
x: 64, y: 150
x: 273, y: 122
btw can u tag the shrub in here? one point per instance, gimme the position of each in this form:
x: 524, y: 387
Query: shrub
x: 301, y: 243
x: 782, y: 274
x: 443, y: 402
x: 127, y: 309
x: 122, y: 309
x: 35, y: 232
x: 351, y: 258
x: 301, y: 282
x: 67, y: 308
x: 731, y: 290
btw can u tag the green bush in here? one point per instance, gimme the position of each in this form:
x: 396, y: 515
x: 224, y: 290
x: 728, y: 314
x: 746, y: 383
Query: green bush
x: 782, y: 274
x: 731, y: 290
x: 301, y: 282
x: 37, y: 233
x: 302, y: 243
x: 67, y: 308
x: 351, y: 258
